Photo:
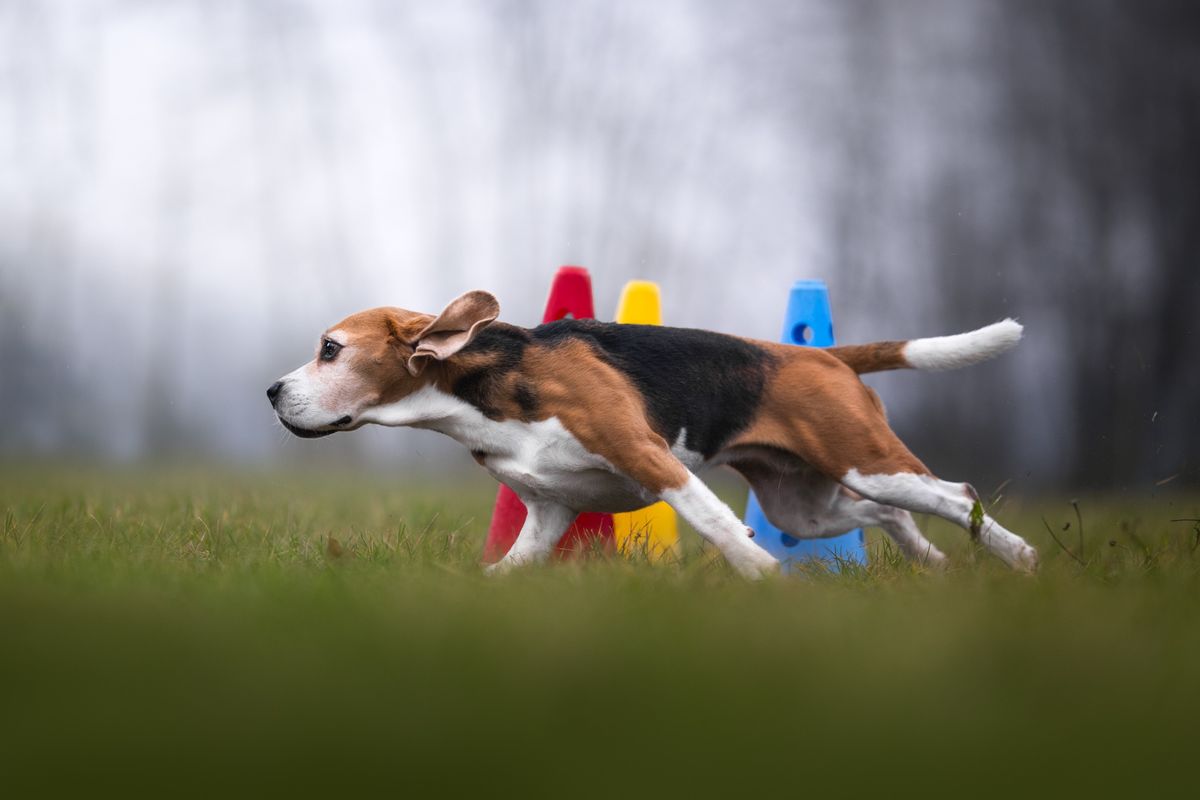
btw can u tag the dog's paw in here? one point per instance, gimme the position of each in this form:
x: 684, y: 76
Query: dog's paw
x: 1026, y: 559
x: 753, y: 562
x: 501, y: 567
x: 933, y: 559
x: 1020, y: 556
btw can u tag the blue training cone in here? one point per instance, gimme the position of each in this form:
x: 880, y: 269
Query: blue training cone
x: 808, y: 322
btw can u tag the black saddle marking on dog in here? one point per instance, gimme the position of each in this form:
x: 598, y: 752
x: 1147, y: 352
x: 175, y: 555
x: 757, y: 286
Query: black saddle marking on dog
x: 526, y: 398
x: 706, y: 383
x: 479, y: 389
x: 482, y: 388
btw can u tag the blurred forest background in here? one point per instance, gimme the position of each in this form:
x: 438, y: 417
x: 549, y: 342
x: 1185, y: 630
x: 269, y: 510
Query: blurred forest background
x: 190, y: 191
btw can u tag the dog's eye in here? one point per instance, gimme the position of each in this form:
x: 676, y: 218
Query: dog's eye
x: 329, y: 350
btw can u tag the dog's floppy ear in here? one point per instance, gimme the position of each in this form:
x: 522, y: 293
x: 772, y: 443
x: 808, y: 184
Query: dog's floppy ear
x: 453, y: 329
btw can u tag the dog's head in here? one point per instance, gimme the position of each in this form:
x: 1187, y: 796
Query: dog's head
x: 374, y: 359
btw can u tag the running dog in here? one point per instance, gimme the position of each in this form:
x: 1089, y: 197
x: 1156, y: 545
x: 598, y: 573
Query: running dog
x: 580, y: 415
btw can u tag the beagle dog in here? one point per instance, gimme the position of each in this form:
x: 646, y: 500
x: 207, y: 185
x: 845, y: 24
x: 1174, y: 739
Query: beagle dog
x: 580, y: 415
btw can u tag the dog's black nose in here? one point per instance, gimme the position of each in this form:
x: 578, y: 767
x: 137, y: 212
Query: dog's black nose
x: 273, y: 392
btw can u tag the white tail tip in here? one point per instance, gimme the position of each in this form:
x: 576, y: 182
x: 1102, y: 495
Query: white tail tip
x: 963, y: 349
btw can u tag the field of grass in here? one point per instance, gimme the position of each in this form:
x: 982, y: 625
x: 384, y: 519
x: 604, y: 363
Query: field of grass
x: 197, y: 633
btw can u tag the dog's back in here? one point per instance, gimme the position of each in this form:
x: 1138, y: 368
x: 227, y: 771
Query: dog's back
x: 706, y: 385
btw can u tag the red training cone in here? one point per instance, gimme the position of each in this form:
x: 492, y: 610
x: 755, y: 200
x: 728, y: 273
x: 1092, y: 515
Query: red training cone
x: 570, y: 295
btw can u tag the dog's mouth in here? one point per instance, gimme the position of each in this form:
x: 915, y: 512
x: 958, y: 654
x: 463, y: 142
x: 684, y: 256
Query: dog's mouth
x: 305, y: 433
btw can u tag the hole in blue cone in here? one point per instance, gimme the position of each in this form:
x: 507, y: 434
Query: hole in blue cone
x: 787, y: 540
x: 802, y: 334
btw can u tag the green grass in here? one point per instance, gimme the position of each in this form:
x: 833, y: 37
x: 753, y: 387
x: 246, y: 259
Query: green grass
x: 174, y: 632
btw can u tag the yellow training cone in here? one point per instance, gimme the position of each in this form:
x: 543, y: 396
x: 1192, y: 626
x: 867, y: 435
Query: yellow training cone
x: 652, y: 529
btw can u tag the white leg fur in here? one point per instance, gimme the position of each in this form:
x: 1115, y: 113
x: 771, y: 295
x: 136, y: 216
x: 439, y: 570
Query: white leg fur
x: 899, y: 525
x: 717, y: 523
x: 545, y: 524
x: 952, y: 501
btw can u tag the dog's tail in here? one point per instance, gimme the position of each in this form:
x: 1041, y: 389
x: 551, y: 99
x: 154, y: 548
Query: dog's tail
x: 940, y: 352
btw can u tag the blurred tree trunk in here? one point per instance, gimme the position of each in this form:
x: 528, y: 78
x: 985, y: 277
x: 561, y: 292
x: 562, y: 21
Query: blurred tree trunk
x: 1103, y: 112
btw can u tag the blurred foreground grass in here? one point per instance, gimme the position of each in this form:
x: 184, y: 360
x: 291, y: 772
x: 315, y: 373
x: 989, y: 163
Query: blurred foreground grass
x: 191, y: 632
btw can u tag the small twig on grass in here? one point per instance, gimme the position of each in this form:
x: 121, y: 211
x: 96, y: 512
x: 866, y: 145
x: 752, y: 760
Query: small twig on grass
x: 333, y: 548
x: 1131, y: 531
x: 839, y: 562
x: 1195, y: 530
x: 32, y: 520
x: 423, y: 536
x: 1079, y: 519
x: 447, y: 569
x: 1065, y: 549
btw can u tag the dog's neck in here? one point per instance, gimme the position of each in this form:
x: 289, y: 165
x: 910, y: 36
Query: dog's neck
x: 433, y: 409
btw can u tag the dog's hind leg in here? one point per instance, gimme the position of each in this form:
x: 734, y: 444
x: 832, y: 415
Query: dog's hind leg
x: 842, y: 432
x: 956, y: 502
x: 804, y: 503
x: 545, y: 523
x: 900, y: 526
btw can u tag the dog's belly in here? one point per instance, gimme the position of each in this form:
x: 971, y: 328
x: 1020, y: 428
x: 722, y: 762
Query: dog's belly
x: 544, y: 461
x: 583, y: 490
x: 569, y: 475
x: 554, y: 466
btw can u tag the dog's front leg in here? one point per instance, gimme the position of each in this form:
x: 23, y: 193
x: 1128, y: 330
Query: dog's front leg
x: 717, y: 523
x: 545, y: 524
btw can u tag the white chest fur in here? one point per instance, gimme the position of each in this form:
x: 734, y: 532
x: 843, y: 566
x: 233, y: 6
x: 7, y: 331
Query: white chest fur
x: 536, y: 459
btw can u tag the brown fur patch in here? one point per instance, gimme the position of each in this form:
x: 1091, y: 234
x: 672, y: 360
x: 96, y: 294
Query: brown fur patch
x: 378, y: 343
x: 602, y: 408
x: 817, y: 408
x: 875, y: 357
